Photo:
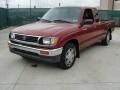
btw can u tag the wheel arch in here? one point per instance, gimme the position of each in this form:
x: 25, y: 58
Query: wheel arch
x: 76, y: 43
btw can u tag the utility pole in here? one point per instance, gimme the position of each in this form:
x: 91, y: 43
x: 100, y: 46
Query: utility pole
x: 113, y: 4
x: 59, y: 4
x: 30, y: 8
x: 18, y: 6
x: 7, y: 13
x: 7, y: 4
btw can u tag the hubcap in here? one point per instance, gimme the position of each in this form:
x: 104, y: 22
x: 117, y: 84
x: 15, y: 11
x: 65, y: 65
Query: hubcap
x: 70, y: 56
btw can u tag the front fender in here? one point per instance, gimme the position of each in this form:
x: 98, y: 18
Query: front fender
x: 65, y: 39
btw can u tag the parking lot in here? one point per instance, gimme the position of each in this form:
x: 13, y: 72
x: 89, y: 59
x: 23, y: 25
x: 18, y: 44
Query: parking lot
x: 98, y: 68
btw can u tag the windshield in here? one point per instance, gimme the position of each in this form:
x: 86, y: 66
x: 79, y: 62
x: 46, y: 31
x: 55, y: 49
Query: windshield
x: 64, y: 14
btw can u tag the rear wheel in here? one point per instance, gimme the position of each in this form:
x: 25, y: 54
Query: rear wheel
x: 107, y: 39
x: 68, y: 56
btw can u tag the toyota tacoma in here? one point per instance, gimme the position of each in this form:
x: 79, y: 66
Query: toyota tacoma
x: 60, y: 34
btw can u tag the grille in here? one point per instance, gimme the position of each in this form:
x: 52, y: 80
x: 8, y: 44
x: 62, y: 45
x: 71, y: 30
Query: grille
x: 24, y: 44
x: 26, y: 38
x: 29, y: 45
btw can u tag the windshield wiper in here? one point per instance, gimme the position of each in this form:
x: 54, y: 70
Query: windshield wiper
x: 63, y: 21
x: 45, y: 20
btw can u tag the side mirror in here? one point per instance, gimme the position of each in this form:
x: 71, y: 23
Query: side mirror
x: 38, y: 18
x: 97, y: 20
x: 88, y: 21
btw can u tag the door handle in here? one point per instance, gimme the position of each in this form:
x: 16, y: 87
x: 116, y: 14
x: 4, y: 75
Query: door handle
x: 84, y: 29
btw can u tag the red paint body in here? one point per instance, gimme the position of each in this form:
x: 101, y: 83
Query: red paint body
x: 65, y: 31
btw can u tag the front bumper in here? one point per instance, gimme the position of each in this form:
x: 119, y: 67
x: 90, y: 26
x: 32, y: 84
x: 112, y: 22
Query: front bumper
x: 53, y: 55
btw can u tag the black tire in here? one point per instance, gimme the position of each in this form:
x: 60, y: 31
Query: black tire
x: 107, y: 39
x: 64, y: 61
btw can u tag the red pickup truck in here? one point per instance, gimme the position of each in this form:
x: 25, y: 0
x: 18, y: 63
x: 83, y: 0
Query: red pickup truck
x: 60, y: 34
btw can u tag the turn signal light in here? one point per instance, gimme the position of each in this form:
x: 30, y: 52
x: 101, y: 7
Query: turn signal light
x: 46, y: 53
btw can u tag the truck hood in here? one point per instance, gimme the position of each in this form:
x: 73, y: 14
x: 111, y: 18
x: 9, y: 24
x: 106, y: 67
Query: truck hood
x: 45, y: 29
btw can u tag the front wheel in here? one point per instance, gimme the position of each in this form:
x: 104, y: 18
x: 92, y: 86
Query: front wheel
x: 68, y: 56
x: 107, y: 39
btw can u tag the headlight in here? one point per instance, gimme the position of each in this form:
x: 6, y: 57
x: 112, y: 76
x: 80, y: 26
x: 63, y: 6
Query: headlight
x: 49, y: 41
x: 12, y: 35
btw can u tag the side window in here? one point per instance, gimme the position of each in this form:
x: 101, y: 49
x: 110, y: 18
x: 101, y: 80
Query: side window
x: 88, y: 17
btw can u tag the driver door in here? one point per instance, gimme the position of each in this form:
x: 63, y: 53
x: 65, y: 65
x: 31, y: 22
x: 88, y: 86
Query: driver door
x: 88, y: 30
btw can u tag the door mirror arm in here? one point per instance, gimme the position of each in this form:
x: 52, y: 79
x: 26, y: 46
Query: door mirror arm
x: 38, y: 19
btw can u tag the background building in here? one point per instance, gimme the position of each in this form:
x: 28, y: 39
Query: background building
x: 110, y: 4
x: 117, y: 5
x: 106, y: 4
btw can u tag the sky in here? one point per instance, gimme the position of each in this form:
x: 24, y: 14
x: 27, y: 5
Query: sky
x: 49, y: 3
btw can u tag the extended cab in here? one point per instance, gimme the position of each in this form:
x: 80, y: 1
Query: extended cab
x: 60, y: 34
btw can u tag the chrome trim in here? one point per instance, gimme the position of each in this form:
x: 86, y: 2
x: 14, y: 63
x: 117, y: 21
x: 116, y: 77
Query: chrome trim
x: 26, y: 35
x: 31, y: 43
x: 38, y: 39
x: 52, y: 52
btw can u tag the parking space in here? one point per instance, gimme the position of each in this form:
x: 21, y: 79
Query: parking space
x: 98, y: 68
